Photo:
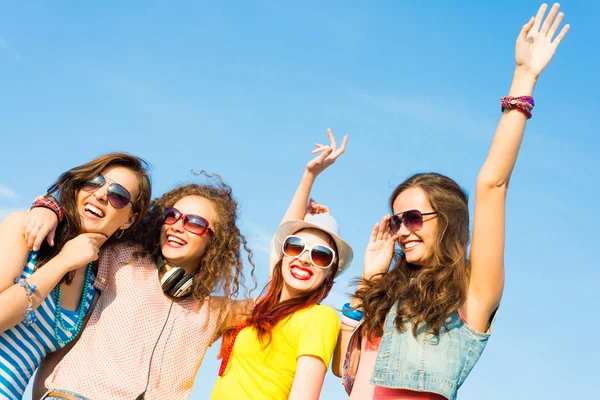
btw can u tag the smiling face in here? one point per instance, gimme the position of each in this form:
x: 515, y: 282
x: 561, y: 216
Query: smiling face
x: 95, y: 210
x: 416, y: 245
x: 300, y: 275
x: 182, y: 247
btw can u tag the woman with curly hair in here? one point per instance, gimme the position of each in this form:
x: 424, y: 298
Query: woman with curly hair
x: 157, y: 313
x: 425, y: 322
x: 46, y: 294
x: 283, y: 348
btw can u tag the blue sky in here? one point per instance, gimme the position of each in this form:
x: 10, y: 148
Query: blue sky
x: 245, y: 89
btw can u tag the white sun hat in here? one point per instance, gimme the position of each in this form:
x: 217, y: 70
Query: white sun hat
x: 323, y: 222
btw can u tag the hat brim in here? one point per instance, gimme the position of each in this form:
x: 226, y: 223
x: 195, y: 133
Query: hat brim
x: 345, y: 253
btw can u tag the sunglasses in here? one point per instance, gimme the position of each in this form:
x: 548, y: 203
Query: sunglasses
x: 320, y: 255
x: 191, y: 223
x: 412, y: 220
x: 117, y: 195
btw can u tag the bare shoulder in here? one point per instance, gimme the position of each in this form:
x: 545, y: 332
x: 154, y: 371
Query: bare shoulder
x: 11, y: 232
x: 14, y: 220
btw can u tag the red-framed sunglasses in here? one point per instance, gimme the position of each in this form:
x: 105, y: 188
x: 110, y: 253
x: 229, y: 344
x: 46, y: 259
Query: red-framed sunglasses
x: 412, y: 220
x: 117, y: 195
x: 192, y: 223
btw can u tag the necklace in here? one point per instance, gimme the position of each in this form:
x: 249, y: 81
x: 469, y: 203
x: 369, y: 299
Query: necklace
x: 225, y: 359
x: 59, y: 323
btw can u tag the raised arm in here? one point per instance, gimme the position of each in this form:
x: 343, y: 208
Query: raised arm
x: 534, y: 49
x: 297, y: 209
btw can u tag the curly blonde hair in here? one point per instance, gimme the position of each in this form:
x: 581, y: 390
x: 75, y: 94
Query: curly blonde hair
x: 221, y: 269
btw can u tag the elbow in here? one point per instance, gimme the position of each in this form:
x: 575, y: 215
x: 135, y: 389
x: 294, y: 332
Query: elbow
x: 489, y: 182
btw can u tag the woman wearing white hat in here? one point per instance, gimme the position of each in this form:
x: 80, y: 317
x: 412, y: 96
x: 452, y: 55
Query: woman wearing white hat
x: 283, y: 348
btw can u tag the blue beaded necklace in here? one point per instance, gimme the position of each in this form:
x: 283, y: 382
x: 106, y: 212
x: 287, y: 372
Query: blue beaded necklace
x: 58, y: 320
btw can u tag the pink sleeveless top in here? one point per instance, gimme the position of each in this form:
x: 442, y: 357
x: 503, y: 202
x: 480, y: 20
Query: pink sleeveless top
x: 111, y: 358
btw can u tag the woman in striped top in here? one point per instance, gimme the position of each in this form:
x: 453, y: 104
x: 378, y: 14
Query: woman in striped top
x: 98, y: 198
x: 147, y: 335
x: 142, y: 340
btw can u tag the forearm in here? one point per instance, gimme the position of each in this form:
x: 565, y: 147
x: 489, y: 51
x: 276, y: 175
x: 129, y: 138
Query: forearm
x: 13, y: 300
x: 297, y: 207
x: 295, y: 211
x: 507, y: 140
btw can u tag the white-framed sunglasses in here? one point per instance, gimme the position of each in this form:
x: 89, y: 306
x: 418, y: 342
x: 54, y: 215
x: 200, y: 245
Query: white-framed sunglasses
x: 321, y: 256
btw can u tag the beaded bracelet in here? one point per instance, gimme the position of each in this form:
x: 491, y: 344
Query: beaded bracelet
x: 30, y: 316
x: 50, y: 203
x: 352, y: 313
x: 523, y: 104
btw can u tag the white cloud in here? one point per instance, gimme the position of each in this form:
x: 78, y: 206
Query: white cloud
x: 6, y: 192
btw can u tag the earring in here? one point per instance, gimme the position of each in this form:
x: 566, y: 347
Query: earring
x: 120, y: 233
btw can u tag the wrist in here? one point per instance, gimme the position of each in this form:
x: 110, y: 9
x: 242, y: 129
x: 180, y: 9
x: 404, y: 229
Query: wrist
x: 355, y: 302
x: 64, y: 264
x: 309, y: 176
x: 523, y: 82
x: 49, y: 202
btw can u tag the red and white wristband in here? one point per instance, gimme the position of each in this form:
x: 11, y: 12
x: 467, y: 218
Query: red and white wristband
x: 49, y: 202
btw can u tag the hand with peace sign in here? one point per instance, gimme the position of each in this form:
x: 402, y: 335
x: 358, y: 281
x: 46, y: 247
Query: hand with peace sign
x: 328, y: 155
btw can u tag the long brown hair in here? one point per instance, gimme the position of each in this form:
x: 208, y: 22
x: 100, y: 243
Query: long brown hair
x: 65, y: 190
x: 221, y: 269
x: 425, y: 295
x: 269, y: 311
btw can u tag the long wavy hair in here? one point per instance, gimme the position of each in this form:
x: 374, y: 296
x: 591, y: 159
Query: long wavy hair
x: 269, y: 311
x: 221, y: 269
x: 65, y: 191
x: 426, y: 294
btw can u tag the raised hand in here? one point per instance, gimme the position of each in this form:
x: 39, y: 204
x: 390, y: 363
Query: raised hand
x: 81, y: 250
x: 535, y: 45
x: 313, y: 208
x: 329, y: 153
x: 380, y: 249
x: 40, y: 223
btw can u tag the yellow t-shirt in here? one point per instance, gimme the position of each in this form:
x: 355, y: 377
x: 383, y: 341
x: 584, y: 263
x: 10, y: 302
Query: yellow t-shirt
x: 254, y: 372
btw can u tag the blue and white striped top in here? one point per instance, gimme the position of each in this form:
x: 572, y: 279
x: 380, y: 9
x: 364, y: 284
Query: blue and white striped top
x: 22, y: 348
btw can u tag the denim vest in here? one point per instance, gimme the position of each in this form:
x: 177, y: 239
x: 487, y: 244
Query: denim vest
x: 438, y: 364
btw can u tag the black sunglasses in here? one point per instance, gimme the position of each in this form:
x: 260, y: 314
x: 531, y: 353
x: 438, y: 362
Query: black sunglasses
x: 117, y: 195
x: 412, y: 220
